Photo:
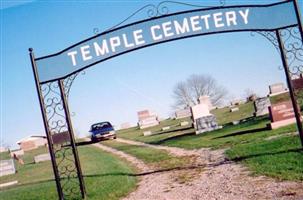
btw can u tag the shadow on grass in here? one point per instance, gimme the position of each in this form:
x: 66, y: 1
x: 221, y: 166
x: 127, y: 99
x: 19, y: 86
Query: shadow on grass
x: 28, y: 184
x: 161, y: 170
x: 85, y: 143
x: 173, y: 138
x: 241, y: 158
x: 244, y: 132
x: 128, y: 174
x: 174, y: 130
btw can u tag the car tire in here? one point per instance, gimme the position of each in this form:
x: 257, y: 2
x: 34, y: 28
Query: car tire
x: 94, y: 140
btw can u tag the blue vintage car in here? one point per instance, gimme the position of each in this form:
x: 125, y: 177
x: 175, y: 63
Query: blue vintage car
x: 102, y: 130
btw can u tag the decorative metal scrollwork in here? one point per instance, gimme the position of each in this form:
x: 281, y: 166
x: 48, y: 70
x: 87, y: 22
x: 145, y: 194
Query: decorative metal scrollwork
x: 69, y: 81
x: 57, y: 124
x: 160, y: 9
x: 293, y: 50
x: 270, y: 36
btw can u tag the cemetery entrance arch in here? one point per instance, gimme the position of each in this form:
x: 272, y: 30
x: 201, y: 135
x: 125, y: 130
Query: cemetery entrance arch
x: 279, y: 23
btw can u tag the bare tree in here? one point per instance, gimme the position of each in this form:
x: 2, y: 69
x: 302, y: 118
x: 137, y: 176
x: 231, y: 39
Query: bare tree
x: 186, y: 93
x: 250, y: 95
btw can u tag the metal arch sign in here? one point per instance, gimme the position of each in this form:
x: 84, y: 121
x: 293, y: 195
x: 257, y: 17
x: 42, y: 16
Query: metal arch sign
x: 163, y: 29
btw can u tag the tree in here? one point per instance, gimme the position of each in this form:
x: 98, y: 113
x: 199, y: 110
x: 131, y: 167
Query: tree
x: 186, y: 93
x: 250, y: 95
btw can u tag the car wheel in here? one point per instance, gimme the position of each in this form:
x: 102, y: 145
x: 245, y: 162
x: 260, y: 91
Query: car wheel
x: 115, y: 137
x: 93, y: 139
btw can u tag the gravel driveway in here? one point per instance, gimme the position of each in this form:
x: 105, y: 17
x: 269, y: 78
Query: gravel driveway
x: 212, y: 177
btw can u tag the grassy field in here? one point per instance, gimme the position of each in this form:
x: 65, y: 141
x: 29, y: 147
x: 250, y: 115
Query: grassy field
x: 160, y: 159
x: 245, y: 111
x: 281, y: 158
x: 268, y: 152
x: 106, y: 177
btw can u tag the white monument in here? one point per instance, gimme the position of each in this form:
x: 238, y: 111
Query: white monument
x: 147, y: 119
x: 277, y: 88
x: 203, y: 120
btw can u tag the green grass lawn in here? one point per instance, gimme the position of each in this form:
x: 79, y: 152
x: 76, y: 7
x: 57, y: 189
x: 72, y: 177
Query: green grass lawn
x: 160, y: 159
x: 105, y: 175
x: 245, y: 111
x: 247, y: 143
x: 281, y: 158
x: 5, y: 155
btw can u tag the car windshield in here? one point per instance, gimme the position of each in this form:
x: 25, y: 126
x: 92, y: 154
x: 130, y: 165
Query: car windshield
x: 101, y: 126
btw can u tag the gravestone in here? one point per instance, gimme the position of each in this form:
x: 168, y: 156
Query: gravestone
x: 184, y: 123
x: 234, y: 109
x: 165, y: 128
x: 206, y: 123
x: 205, y: 100
x: 298, y: 83
x: 235, y: 122
x: 147, y: 133
x: 179, y: 114
x: 199, y: 110
x: 8, y: 184
x: 281, y: 114
x: 203, y: 120
x: 277, y: 88
x: 147, y: 119
x: 19, y: 152
x: 42, y: 157
x: 261, y: 106
x: 7, y: 167
x: 60, y: 138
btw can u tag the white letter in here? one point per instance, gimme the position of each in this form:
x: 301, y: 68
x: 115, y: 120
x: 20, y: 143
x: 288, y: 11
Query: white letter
x: 194, y: 23
x: 166, y: 28
x: 85, y: 53
x: 205, y: 18
x: 244, y: 15
x: 218, y: 18
x: 72, y: 55
x: 153, y: 32
x: 181, y: 29
x: 138, y: 37
x: 114, y: 42
x: 101, y: 50
x: 126, y: 44
x: 231, y: 17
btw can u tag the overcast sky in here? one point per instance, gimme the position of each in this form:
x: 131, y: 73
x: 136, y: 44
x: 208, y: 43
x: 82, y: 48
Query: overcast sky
x: 116, y: 89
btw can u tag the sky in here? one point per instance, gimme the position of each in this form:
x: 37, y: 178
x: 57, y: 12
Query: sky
x: 116, y: 89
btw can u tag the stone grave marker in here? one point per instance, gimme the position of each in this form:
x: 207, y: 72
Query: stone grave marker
x: 281, y: 114
x: 235, y: 109
x: 147, y: 119
x: 7, y: 167
x: 147, y: 133
x: 298, y: 83
x: 203, y: 120
x: 206, y: 123
x: 42, y: 157
x: 179, y: 114
x: 205, y: 100
x: 184, y: 123
x: 19, y: 152
x: 277, y: 88
x: 261, y: 106
x: 199, y: 110
x: 8, y: 184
